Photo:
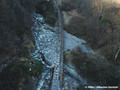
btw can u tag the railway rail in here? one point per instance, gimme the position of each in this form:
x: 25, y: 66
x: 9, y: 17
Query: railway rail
x: 58, y: 69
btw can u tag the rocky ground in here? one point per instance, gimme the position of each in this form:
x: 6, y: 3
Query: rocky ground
x: 18, y: 70
x: 83, y: 64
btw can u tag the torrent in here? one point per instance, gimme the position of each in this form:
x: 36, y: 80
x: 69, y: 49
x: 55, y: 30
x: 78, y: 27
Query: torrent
x: 46, y: 40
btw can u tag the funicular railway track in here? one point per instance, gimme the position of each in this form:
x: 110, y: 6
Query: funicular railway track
x: 51, y: 55
x: 58, y: 69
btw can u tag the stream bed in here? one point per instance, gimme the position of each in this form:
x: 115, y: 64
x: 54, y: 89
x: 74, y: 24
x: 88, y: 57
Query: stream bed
x: 46, y: 41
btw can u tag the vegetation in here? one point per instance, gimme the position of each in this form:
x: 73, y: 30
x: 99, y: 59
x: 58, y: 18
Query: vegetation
x: 119, y: 86
x: 99, y: 24
x: 103, y: 73
x: 17, y: 73
x: 48, y: 10
x: 16, y: 42
x: 15, y: 23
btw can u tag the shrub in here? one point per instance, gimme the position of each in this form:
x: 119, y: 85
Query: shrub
x: 18, y: 72
x: 48, y: 10
x: 15, y: 19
